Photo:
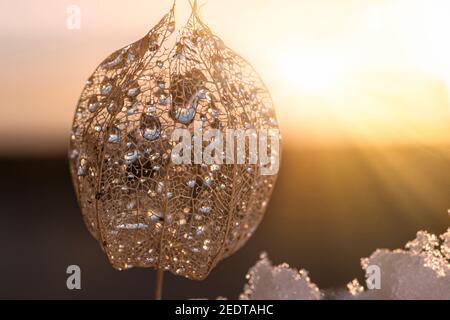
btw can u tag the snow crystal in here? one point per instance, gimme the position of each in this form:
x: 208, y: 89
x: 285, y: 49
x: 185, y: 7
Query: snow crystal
x: 420, y: 271
x: 266, y: 282
x: 445, y: 247
x: 355, y: 288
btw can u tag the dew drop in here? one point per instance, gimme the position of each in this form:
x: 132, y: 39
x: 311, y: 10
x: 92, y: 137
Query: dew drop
x: 186, y: 114
x: 132, y: 226
x: 215, y: 167
x: 205, y: 209
x: 161, y: 85
x: 82, y: 168
x: 131, y: 205
x: 200, y: 230
x: 114, y: 138
x: 191, y: 183
x: 93, y: 104
x: 115, y: 61
x: 106, y: 89
x: 131, y: 157
x: 208, y: 181
x: 132, y: 110
x: 163, y: 100
x: 156, y: 216
x: 111, y: 107
x: 130, y: 58
x: 74, y: 154
x: 151, y: 109
x: 213, y: 113
x: 273, y: 122
x: 160, y: 187
x: 150, y: 127
x: 171, y: 27
x: 133, y: 89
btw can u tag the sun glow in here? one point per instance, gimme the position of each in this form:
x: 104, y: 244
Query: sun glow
x: 311, y: 72
x: 402, y: 33
x: 382, y: 76
x: 370, y: 68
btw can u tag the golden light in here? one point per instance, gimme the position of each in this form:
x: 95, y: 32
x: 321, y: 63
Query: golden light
x: 424, y: 29
x: 383, y: 64
x: 311, y: 72
x: 382, y: 77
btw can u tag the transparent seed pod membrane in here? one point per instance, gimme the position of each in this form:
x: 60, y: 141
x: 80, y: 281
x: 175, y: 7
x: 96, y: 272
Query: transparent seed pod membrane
x: 145, y: 210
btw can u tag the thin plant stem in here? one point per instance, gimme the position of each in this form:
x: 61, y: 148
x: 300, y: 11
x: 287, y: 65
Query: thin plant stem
x: 159, y: 284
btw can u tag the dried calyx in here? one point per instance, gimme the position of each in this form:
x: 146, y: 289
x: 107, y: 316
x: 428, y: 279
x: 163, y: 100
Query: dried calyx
x: 143, y: 209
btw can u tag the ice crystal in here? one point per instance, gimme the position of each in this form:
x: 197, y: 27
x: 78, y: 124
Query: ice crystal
x: 420, y: 271
x: 266, y: 282
x: 355, y: 288
x: 445, y: 247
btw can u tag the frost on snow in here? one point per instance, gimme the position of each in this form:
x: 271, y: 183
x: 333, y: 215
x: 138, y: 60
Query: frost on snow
x: 266, y: 282
x: 420, y: 271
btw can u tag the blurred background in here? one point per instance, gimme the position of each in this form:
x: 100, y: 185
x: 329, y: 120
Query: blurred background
x: 362, y: 94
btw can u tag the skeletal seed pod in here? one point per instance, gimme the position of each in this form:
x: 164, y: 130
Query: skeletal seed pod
x: 145, y: 210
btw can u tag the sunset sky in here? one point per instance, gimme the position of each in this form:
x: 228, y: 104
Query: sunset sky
x: 362, y: 94
x: 340, y: 72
